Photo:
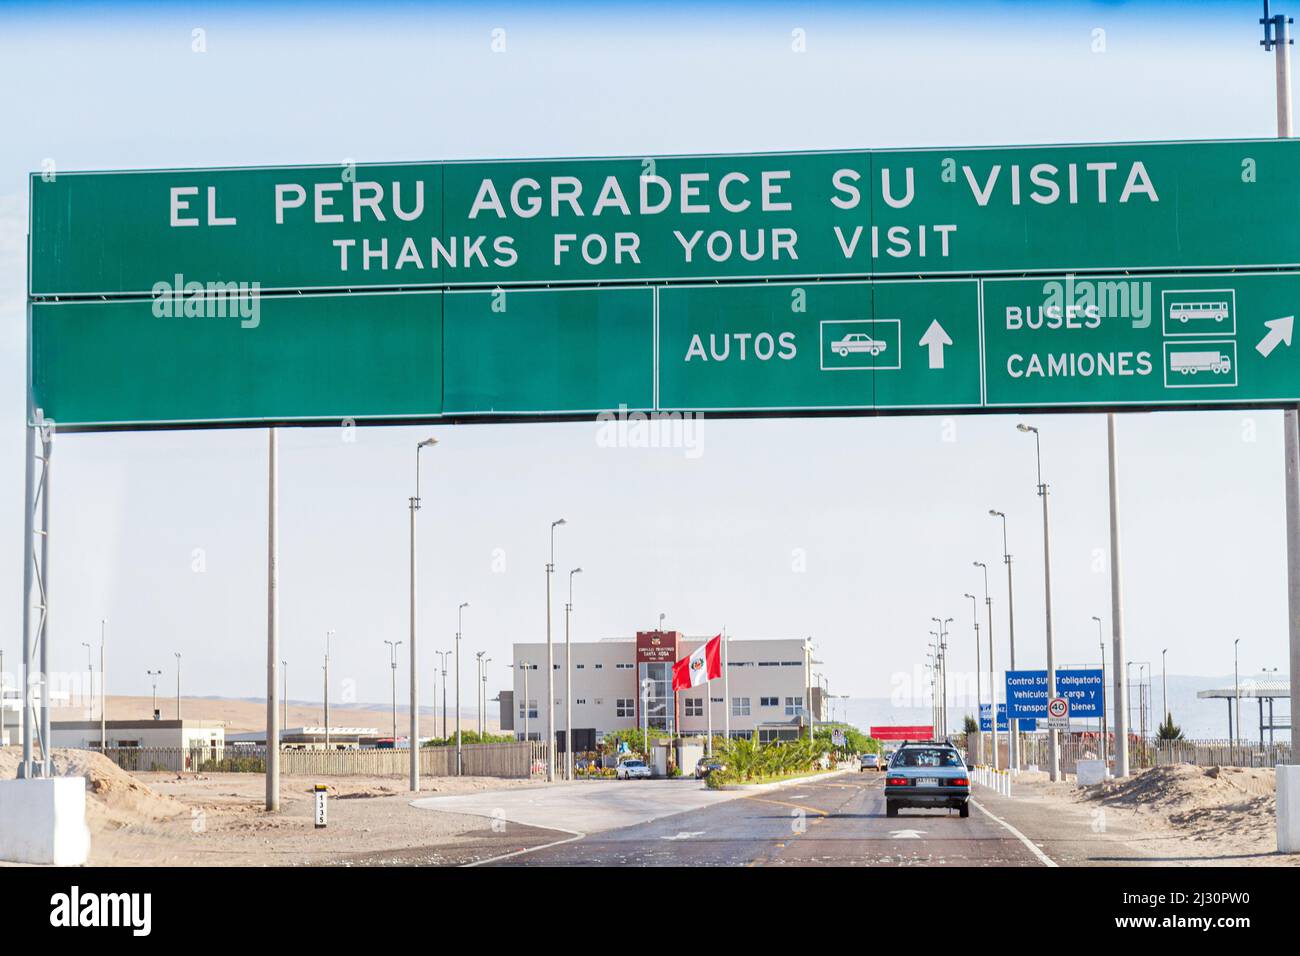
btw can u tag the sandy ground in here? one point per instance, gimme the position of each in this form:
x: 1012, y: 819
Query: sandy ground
x: 243, y: 715
x: 1182, y: 814
x: 160, y: 819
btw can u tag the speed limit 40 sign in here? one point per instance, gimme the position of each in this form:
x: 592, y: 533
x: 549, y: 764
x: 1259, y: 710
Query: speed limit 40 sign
x: 1058, y: 714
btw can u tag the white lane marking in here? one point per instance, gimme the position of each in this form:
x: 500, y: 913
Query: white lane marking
x: 1033, y: 847
x: 906, y: 834
x: 531, y: 849
x: 684, y: 835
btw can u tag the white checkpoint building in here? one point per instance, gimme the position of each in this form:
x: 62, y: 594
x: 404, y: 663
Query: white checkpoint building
x: 771, y: 687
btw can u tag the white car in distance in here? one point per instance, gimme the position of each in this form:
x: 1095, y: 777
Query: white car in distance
x: 631, y: 769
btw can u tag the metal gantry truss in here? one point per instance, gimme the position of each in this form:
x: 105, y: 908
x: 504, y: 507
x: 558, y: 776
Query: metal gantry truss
x: 36, y: 598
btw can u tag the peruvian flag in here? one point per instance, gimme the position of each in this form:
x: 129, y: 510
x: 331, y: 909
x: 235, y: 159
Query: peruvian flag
x: 704, y: 665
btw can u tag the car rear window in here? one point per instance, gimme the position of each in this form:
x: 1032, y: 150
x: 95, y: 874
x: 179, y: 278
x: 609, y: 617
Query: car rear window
x: 929, y: 757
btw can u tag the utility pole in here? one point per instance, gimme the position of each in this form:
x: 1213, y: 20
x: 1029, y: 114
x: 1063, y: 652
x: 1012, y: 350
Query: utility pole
x: 480, y: 702
x: 1013, y: 724
x: 178, y: 684
x: 1053, y: 755
x: 284, y: 695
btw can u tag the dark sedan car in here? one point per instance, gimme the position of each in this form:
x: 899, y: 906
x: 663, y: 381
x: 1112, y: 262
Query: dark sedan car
x: 927, y: 775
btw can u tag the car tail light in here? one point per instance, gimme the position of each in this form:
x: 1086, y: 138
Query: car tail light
x: 896, y: 782
x: 961, y: 782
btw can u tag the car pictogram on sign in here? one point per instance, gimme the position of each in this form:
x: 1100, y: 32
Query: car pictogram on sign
x: 857, y: 342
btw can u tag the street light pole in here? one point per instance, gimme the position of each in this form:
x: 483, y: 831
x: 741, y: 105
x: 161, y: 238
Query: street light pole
x: 413, y: 648
x: 1013, y: 724
x: 284, y: 695
x: 392, y: 664
x: 1101, y: 642
x: 527, y: 704
x: 154, y: 675
x: 993, y: 685
x: 550, y: 663
x: 1236, y: 696
x: 979, y: 699
x: 568, y: 683
x: 90, y: 682
x: 1164, y: 684
x: 1053, y: 755
x: 103, y: 690
x: 178, y: 684
x: 459, y: 622
x: 478, y: 693
x: 442, y: 656
x: 326, y: 669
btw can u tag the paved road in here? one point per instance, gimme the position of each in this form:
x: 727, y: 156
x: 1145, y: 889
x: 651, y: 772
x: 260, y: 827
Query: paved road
x: 838, y: 821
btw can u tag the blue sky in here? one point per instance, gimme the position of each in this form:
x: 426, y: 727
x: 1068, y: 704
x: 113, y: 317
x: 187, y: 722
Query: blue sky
x: 854, y: 531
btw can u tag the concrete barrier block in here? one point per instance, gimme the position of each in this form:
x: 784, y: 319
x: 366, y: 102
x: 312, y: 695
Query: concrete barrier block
x: 1288, y: 808
x: 1090, y: 773
x: 43, y: 821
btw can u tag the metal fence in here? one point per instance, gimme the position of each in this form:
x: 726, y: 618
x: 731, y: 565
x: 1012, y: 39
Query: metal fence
x: 518, y: 760
x: 1144, y: 754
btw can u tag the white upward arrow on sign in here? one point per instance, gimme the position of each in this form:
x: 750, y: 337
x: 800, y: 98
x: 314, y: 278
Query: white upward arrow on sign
x: 935, y: 339
x: 1279, y: 330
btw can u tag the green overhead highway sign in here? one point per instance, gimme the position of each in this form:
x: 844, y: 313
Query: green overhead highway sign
x: 871, y: 281
x: 862, y: 213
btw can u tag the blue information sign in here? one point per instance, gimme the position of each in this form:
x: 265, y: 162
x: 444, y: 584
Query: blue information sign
x: 1027, y: 693
x: 1027, y: 724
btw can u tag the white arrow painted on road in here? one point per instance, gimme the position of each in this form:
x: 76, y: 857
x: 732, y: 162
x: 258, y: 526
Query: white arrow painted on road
x: 906, y: 834
x: 1279, y: 330
x: 935, y: 339
x: 684, y: 835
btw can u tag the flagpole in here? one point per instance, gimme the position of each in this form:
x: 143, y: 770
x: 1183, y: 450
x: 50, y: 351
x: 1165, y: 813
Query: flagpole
x: 726, y: 690
x: 708, y: 741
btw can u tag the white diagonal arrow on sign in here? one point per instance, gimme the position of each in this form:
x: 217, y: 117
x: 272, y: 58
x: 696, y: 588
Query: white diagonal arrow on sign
x: 935, y: 339
x: 1279, y: 330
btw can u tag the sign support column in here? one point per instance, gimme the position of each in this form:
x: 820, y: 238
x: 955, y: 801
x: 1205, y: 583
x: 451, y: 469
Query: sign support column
x: 272, y: 624
x: 1117, y: 608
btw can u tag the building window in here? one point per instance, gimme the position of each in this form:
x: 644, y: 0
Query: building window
x: 740, y: 663
x: 532, y: 709
x: 694, y: 706
x: 740, y: 707
x: 793, y: 706
x: 579, y: 666
x: 581, y: 700
x: 625, y: 667
x: 769, y: 702
x: 792, y: 663
x: 769, y: 663
x: 599, y: 666
x: 625, y: 707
